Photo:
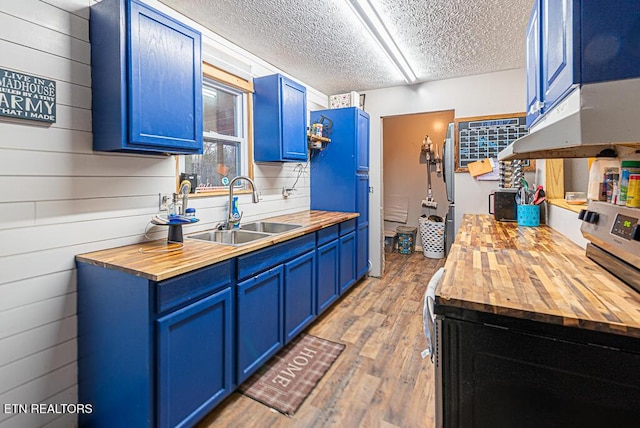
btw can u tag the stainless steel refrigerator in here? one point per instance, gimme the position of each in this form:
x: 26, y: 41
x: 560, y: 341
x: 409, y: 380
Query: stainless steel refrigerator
x: 448, y: 173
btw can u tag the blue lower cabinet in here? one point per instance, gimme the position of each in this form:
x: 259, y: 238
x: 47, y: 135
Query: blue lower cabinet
x: 362, y: 253
x: 259, y: 322
x: 328, y: 289
x: 154, y: 353
x: 347, y: 261
x: 164, y: 354
x: 299, y: 294
x: 195, y: 369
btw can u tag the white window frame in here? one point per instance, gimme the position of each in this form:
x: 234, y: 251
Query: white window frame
x: 228, y: 83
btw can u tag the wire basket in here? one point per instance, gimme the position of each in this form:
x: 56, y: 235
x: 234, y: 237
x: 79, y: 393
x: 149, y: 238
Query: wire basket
x: 432, y: 235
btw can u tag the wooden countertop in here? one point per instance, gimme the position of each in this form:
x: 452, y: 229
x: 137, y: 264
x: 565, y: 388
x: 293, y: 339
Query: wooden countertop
x: 534, y: 273
x: 562, y: 203
x: 151, y: 260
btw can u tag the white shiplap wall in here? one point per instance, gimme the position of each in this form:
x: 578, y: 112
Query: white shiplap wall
x: 59, y: 199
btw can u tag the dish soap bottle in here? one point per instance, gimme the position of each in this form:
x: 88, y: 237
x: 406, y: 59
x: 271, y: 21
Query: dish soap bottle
x: 235, y: 214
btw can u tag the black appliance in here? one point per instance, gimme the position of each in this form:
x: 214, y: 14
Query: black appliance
x: 504, y: 204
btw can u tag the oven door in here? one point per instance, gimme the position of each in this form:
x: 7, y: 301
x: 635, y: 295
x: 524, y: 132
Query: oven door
x: 437, y: 362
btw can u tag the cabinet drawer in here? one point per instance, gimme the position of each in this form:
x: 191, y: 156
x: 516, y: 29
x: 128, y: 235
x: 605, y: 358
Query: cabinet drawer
x: 189, y: 287
x: 347, y: 226
x: 257, y: 261
x: 327, y: 234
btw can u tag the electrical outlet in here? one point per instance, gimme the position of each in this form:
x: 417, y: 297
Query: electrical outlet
x: 163, y: 201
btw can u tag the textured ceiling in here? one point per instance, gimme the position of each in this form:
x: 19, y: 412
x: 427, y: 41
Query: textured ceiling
x: 321, y: 43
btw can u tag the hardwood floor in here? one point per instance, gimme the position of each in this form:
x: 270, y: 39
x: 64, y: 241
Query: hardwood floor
x: 380, y: 379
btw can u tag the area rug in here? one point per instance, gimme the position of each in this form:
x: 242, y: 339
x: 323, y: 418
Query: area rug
x: 288, y: 378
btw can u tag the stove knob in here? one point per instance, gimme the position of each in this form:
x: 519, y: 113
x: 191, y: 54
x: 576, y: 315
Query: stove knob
x: 635, y: 233
x: 591, y: 217
x: 582, y: 214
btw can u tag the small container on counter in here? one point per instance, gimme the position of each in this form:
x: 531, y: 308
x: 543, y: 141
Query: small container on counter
x: 529, y: 215
x: 611, y: 182
x: 633, y: 193
x: 575, y: 198
x: 597, y: 189
x: 628, y: 167
x: 190, y: 212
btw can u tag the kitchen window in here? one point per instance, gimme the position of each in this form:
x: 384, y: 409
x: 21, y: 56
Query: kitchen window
x: 226, y: 135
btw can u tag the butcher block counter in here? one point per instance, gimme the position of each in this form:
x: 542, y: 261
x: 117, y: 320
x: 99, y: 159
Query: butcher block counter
x: 534, y: 273
x: 151, y: 260
x: 530, y: 333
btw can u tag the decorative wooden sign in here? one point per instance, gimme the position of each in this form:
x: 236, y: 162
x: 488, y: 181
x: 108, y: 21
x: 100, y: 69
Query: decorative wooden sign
x: 482, y: 137
x: 23, y: 96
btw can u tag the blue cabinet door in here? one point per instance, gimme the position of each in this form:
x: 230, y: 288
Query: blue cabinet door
x: 557, y: 50
x: 294, y: 121
x: 195, y: 356
x: 146, y: 72
x: 362, y: 141
x: 362, y: 201
x: 362, y: 251
x: 299, y: 294
x: 347, y: 261
x: 165, y: 81
x: 362, y: 234
x: 328, y: 257
x: 533, y: 65
x: 260, y: 327
x: 280, y: 120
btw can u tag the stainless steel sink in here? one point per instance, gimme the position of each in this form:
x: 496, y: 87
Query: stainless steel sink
x: 229, y: 237
x: 269, y: 227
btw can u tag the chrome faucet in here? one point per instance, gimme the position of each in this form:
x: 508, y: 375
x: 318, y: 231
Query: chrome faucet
x: 230, y: 219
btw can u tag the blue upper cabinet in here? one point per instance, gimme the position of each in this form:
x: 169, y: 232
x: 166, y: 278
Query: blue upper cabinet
x: 557, y: 48
x: 533, y: 65
x: 334, y: 170
x: 280, y: 120
x: 574, y: 42
x: 362, y: 152
x: 146, y: 80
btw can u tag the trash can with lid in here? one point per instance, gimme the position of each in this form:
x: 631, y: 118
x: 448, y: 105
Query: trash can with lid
x: 406, y: 239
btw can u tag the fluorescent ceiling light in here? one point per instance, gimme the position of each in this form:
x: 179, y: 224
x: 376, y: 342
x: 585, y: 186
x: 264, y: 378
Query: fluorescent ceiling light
x: 365, y: 11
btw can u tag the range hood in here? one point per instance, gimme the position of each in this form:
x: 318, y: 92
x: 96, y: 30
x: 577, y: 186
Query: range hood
x: 593, y: 118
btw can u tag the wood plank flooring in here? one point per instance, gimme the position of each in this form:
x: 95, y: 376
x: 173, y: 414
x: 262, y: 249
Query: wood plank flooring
x: 380, y: 379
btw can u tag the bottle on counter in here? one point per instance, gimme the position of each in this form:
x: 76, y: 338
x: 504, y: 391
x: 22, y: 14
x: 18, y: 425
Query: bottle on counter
x: 235, y: 213
x: 627, y: 168
x: 633, y: 193
x: 611, y: 182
